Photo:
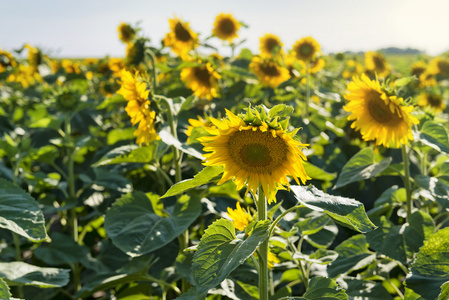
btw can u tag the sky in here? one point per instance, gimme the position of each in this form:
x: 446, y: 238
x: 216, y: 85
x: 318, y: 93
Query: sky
x: 88, y: 28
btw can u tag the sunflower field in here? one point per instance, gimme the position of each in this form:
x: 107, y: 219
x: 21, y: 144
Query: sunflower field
x: 175, y: 172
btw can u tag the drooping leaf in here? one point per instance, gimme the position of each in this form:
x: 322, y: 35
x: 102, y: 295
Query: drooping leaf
x: 437, y: 189
x: 62, y: 250
x: 346, y: 211
x: 20, y: 213
x: 201, y: 178
x: 317, y: 173
x: 169, y: 139
x: 23, y: 273
x: 4, y: 290
x: 220, y: 252
x: 361, y: 166
x: 128, y: 154
x: 434, y: 135
x: 322, y: 288
x: 430, y: 270
x: 136, y: 229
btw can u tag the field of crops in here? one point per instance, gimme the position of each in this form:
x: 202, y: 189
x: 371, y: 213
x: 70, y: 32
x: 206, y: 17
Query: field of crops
x: 178, y: 172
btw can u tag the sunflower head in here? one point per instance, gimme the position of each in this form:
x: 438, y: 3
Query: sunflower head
x: 202, y: 80
x: 135, y: 52
x: 256, y: 149
x: 6, y: 59
x: 181, y: 39
x: 34, y: 57
x: 418, y: 68
x: 375, y: 62
x: 125, y: 32
x: 306, y: 49
x: 378, y: 113
x: 432, y: 101
x: 240, y: 217
x: 198, y: 123
x: 226, y: 27
x: 439, y: 66
x: 67, y: 100
x: 268, y: 71
x: 313, y: 66
x: 70, y: 66
x: 352, y: 68
x: 270, y: 45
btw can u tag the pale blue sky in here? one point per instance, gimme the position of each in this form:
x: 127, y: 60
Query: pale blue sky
x: 88, y: 28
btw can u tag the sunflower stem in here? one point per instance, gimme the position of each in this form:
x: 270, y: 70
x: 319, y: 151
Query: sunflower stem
x: 263, y: 249
x: 306, y: 109
x: 153, y: 68
x: 407, y: 184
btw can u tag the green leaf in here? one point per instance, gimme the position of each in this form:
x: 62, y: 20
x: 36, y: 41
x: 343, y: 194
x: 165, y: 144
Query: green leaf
x: 62, y: 250
x: 114, y: 181
x: 317, y: 173
x: 136, y: 229
x: 128, y: 154
x: 20, y: 213
x: 437, y: 189
x: 364, y: 289
x: 403, y: 81
x: 192, y: 294
x: 203, y: 177
x: 430, y: 270
x: 361, y: 166
x: 120, y: 134
x: 434, y: 135
x: 23, y: 273
x: 169, y: 139
x: 220, y: 252
x: 322, y: 288
x: 353, y: 254
x: 47, y: 122
x: 346, y: 211
x: 4, y: 290
x: 321, y: 256
x: 421, y: 226
x: 313, y: 224
x: 280, y: 110
x: 109, y: 102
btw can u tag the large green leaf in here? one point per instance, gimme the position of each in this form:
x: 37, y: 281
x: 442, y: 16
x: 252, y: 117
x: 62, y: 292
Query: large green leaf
x: 62, y: 250
x: 434, y: 135
x: 220, y: 252
x: 203, y: 177
x: 128, y: 154
x: 20, y: 213
x: 346, y: 211
x: 4, y: 290
x: 361, y: 166
x: 437, y: 189
x: 317, y: 173
x: 430, y: 270
x: 136, y: 229
x: 169, y: 139
x: 322, y: 288
x: 23, y: 273
x: 444, y: 295
x: 364, y: 289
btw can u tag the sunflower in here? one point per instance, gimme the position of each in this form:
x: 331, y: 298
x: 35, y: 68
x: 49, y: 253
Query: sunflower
x: 125, y: 32
x: 202, y: 80
x: 135, y: 52
x: 439, y: 66
x: 377, y: 115
x: 258, y: 151
x: 138, y: 107
x: 34, y: 57
x: 313, y: 66
x: 71, y: 67
x: 240, y: 217
x: 226, y: 27
x: 6, y: 60
x: 181, y: 39
x: 116, y: 65
x: 270, y: 45
x: 198, y: 123
x: 418, y: 68
x: 433, y: 101
x: 268, y: 71
x: 306, y: 49
x: 375, y: 62
x: 352, y: 69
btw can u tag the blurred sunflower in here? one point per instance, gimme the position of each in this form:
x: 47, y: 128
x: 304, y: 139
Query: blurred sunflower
x: 202, y: 80
x: 256, y: 152
x: 199, y: 122
x: 439, y: 66
x: 226, y: 27
x: 432, y: 101
x: 240, y: 217
x: 375, y: 62
x: 34, y: 57
x: 270, y: 45
x: 418, y: 68
x: 70, y: 66
x: 181, y: 39
x: 135, y: 52
x: 352, y: 68
x: 25, y: 75
x: 270, y: 73
x: 314, y: 66
x: 427, y: 79
x: 377, y: 115
x: 125, y: 32
x: 116, y: 65
x: 6, y: 60
x: 306, y: 49
x: 138, y: 107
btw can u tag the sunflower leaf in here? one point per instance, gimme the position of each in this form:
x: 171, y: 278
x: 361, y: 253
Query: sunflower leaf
x: 169, y: 139
x: 346, y: 211
x: 220, y: 252
x: 4, y: 290
x: 203, y: 177
x: 434, y: 135
x: 128, y: 154
x: 322, y: 288
x: 361, y: 166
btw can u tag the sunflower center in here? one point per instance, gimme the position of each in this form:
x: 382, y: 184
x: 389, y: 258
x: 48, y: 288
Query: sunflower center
x: 306, y: 50
x: 257, y: 151
x: 444, y: 67
x: 379, y: 63
x: 182, y: 34
x: 202, y: 75
x: 227, y: 26
x: 269, y: 69
x: 271, y: 44
x: 434, y: 100
x: 381, y: 112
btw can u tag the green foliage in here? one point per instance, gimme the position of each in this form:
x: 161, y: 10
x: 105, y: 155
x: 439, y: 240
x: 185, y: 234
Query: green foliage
x: 25, y: 274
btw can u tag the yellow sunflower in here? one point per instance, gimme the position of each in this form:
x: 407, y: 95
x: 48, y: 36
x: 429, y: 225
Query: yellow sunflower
x: 240, y: 217
x: 125, y: 32
x: 270, y: 45
x: 135, y: 52
x: 226, y: 27
x: 352, y: 68
x: 433, y: 101
x: 181, y: 39
x: 138, y: 107
x: 306, y: 49
x: 255, y: 152
x: 199, y: 122
x: 6, y: 60
x: 439, y: 66
x: 202, y: 80
x: 418, y: 68
x: 25, y: 75
x: 270, y: 73
x: 375, y: 62
x: 377, y: 115
x: 313, y: 66
x: 116, y: 65
x: 71, y: 67
x: 34, y: 57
